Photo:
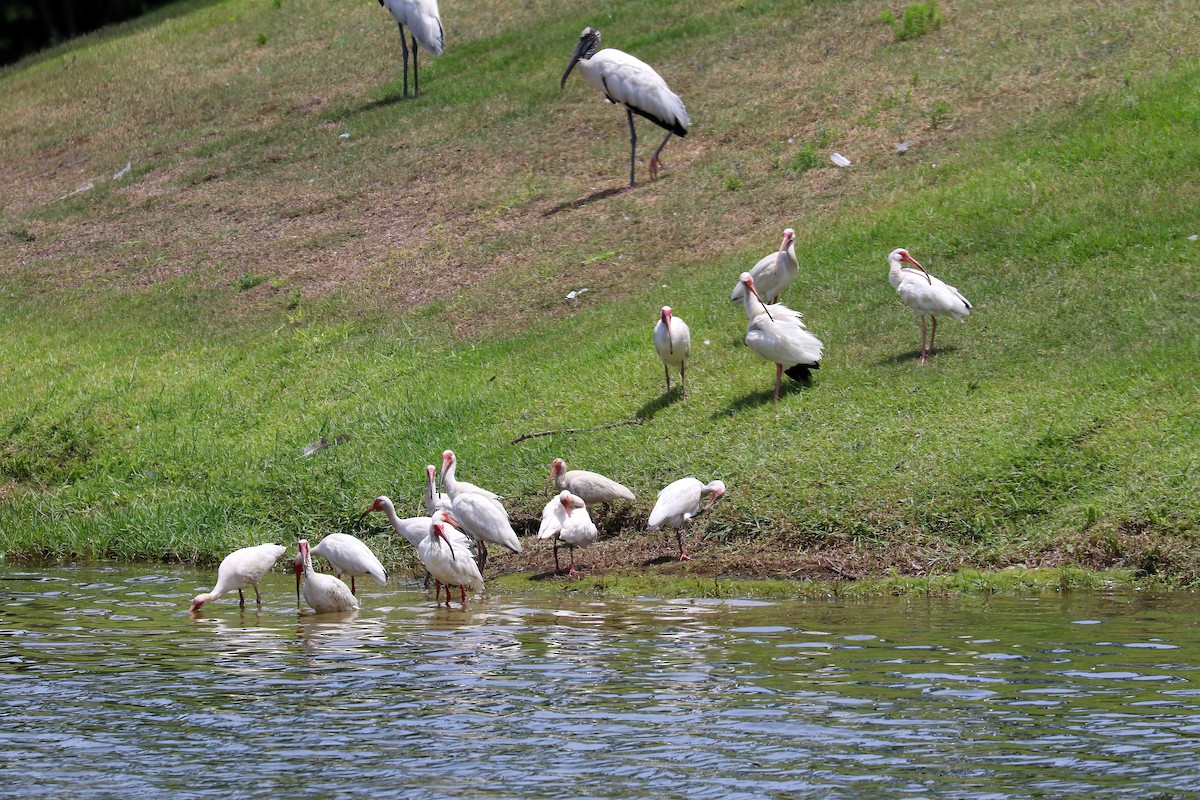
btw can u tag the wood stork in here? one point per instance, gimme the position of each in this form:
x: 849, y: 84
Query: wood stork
x: 679, y: 503
x: 324, y: 593
x: 425, y: 25
x: 632, y: 83
x: 349, y: 556
x: 449, y: 560
x: 673, y: 341
x: 925, y: 294
x: 591, y: 486
x: 773, y: 273
x: 777, y: 334
x: 565, y: 519
x: 239, y: 569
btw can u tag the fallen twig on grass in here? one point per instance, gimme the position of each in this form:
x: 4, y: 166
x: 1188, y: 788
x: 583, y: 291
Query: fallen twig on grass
x: 536, y: 434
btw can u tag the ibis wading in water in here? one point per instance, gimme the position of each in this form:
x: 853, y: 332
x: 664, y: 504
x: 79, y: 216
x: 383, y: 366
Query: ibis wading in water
x: 774, y: 273
x: 425, y: 25
x: 777, y: 334
x: 325, y: 593
x: 673, y: 341
x: 925, y: 294
x: 239, y: 569
x: 632, y: 83
x: 447, y: 556
x: 679, y: 502
x: 349, y: 556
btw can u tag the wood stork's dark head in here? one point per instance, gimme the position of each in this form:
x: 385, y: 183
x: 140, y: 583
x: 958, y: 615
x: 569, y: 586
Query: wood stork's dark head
x: 589, y: 43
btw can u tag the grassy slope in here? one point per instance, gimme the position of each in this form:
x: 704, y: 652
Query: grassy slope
x: 170, y: 341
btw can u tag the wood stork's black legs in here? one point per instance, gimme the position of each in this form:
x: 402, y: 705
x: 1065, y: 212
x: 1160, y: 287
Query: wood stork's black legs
x: 404, y: 48
x: 632, y: 148
x: 416, y: 78
x: 654, y: 162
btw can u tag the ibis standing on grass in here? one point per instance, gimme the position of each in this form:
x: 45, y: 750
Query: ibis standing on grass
x: 239, y: 569
x: 673, y: 341
x: 592, y: 487
x: 425, y: 25
x: 925, y: 294
x: 774, y: 273
x: 777, y: 334
x: 679, y: 502
x: 632, y: 83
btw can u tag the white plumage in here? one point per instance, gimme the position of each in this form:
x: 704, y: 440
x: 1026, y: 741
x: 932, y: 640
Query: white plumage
x: 679, y: 502
x: 350, y: 556
x: 239, y: 569
x: 425, y: 24
x: 413, y: 529
x: 925, y: 294
x: 448, y: 558
x: 433, y: 498
x: 633, y: 84
x: 777, y: 334
x: 456, y: 487
x: 565, y: 519
x: 324, y: 593
x: 591, y: 486
x: 673, y: 341
x: 773, y: 273
x: 485, y: 519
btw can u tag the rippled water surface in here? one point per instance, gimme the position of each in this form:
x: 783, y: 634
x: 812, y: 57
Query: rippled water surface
x: 111, y: 689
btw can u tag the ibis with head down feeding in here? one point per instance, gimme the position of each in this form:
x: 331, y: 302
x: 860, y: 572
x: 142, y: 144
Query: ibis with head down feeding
x: 679, y: 503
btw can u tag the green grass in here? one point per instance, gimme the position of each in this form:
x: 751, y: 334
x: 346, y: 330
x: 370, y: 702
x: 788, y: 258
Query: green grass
x: 157, y: 389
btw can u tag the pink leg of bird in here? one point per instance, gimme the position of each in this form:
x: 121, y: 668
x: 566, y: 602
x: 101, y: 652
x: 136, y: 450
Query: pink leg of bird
x: 683, y: 380
x: 924, y: 352
x: 683, y: 556
x: 932, y: 334
x: 668, y: 373
x: 462, y: 589
x: 574, y: 572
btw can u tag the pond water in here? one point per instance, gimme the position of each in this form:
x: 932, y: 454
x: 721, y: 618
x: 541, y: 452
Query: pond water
x: 111, y: 689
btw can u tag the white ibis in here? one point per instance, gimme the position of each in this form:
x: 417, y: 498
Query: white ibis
x: 565, y: 519
x: 773, y: 273
x: 433, y: 498
x: 425, y: 25
x: 591, y: 486
x: 239, y: 569
x: 485, y: 520
x: 679, y: 502
x: 632, y: 83
x: 673, y: 341
x: 454, y: 486
x: 324, y: 593
x: 413, y: 529
x: 777, y: 334
x: 925, y: 294
x: 348, y: 556
x: 449, y: 560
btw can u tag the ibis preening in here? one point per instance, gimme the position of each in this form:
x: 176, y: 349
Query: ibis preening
x: 632, y: 83
x: 679, y: 502
x: 425, y: 25
x: 777, y: 334
x: 925, y: 294
x: 565, y: 519
x: 773, y: 273
x: 325, y: 593
x: 592, y: 487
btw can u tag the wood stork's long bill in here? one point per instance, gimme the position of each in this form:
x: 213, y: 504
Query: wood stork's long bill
x: 748, y: 282
x: 585, y: 48
x: 907, y: 259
